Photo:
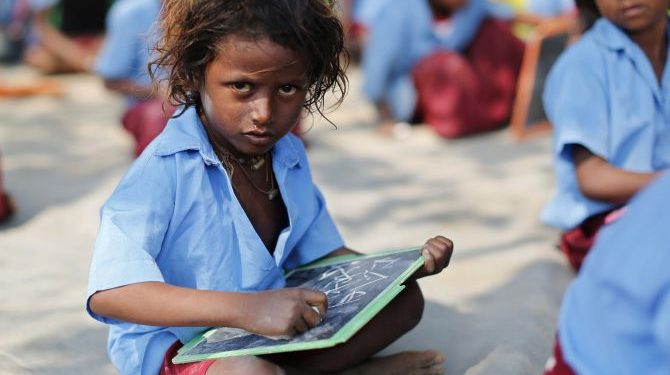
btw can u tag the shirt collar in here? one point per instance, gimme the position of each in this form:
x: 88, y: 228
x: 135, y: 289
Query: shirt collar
x: 612, y: 36
x: 186, y: 132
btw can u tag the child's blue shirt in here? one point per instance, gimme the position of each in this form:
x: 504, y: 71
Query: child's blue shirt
x: 549, y: 8
x: 615, y: 317
x: 130, y: 35
x: 404, y: 32
x: 174, y: 218
x: 603, y: 94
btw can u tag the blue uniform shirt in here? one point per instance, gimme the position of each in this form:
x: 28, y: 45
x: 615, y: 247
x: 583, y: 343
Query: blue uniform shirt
x: 615, y: 317
x: 130, y: 35
x: 174, y: 218
x: 603, y: 94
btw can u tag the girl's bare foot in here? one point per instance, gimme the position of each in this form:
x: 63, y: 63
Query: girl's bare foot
x: 428, y: 362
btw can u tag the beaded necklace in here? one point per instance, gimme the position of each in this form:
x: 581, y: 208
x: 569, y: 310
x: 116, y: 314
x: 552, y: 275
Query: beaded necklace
x: 254, y: 163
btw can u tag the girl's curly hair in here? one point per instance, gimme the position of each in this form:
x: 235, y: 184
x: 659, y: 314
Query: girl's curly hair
x: 191, y: 30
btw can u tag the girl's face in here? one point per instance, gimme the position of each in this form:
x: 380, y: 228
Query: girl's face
x: 634, y: 16
x: 253, y: 93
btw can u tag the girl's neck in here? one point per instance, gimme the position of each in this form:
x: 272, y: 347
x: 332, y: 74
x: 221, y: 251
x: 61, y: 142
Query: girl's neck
x: 218, y: 142
x: 654, y: 44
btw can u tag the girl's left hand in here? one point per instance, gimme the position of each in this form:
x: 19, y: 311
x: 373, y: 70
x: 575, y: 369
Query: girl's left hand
x: 437, y: 253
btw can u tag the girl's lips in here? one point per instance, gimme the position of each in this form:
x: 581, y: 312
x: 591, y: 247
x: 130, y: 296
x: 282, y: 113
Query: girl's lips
x: 633, y: 11
x: 259, y: 138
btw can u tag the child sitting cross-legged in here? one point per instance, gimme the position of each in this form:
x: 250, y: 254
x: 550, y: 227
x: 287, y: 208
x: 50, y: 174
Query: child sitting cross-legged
x: 199, y: 231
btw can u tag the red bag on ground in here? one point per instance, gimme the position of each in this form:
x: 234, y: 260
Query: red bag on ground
x: 462, y: 94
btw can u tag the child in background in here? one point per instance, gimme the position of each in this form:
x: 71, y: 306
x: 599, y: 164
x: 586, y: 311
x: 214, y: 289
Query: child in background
x: 72, y: 46
x: 199, y: 231
x: 435, y: 58
x: 7, y: 207
x: 123, y: 64
x: 615, y: 317
x: 607, y: 99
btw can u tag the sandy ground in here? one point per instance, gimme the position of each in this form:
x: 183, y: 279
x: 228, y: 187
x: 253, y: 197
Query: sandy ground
x: 492, y: 311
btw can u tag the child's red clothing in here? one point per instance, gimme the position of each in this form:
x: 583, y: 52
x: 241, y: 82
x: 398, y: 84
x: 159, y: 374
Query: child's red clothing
x: 5, y: 208
x: 559, y: 367
x: 473, y: 92
x: 145, y: 120
x: 195, y: 368
x: 577, y: 242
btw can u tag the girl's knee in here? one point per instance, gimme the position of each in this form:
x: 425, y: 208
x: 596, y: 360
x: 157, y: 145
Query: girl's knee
x: 244, y: 365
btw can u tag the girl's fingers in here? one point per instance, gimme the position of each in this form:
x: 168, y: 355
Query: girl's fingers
x: 300, y: 325
x: 429, y: 260
x: 312, y: 316
x: 440, y: 248
x: 444, y: 240
x: 317, y: 299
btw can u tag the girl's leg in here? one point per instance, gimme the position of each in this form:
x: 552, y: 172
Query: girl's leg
x: 354, y: 356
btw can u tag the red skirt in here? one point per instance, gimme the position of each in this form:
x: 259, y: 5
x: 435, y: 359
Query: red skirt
x: 473, y: 92
x: 195, y: 368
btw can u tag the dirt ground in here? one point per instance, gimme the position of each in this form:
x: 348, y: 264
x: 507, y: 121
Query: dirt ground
x: 493, y: 311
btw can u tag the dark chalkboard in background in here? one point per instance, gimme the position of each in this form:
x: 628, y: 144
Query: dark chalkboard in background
x: 549, y: 40
x: 358, y: 287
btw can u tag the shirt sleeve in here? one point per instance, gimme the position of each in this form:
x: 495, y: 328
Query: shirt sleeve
x: 464, y: 26
x: 119, y: 53
x: 575, y: 100
x: 132, y: 228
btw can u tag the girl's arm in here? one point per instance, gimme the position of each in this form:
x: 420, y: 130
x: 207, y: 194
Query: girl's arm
x: 599, y: 180
x: 60, y: 45
x: 128, y: 87
x: 271, y: 313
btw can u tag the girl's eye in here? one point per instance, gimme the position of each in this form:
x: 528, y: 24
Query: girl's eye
x: 241, y: 87
x: 287, y: 90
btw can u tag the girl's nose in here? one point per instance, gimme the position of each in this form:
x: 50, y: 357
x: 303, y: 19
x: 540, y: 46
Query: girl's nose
x: 262, y: 111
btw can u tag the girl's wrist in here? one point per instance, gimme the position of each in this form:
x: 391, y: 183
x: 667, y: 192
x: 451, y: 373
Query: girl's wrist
x: 233, y: 310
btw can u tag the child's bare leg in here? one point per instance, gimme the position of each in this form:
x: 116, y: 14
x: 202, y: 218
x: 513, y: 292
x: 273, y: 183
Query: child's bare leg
x: 401, y: 315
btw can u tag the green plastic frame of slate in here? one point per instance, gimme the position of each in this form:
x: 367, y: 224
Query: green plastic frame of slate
x: 344, y: 334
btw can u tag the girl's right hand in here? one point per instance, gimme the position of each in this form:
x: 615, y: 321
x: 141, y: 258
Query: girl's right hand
x: 283, y: 312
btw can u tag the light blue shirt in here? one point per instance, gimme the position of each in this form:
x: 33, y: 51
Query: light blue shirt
x: 365, y: 12
x: 130, y: 35
x: 405, y: 32
x: 602, y: 93
x: 174, y: 218
x: 549, y: 8
x: 615, y: 317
